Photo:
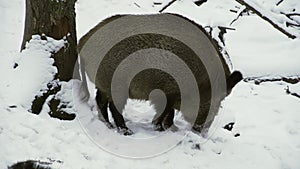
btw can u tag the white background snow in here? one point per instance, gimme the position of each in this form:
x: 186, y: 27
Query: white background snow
x: 265, y: 116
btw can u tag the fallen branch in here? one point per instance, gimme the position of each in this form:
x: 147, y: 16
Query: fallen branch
x: 267, y: 19
x: 259, y: 80
x: 31, y: 164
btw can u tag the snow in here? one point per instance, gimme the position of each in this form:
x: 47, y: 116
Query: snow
x: 266, y: 119
x: 12, y: 34
x: 17, y: 82
x: 270, y: 133
x: 252, y: 47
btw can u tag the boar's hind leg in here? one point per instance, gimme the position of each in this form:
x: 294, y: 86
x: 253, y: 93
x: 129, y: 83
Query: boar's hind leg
x: 203, y: 122
x: 164, y: 120
x: 119, y: 120
x: 102, y: 103
x: 169, y: 119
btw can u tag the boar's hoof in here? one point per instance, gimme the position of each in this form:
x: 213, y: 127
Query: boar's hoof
x: 109, y: 125
x: 162, y: 126
x: 125, y: 131
x: 197, y: 128
x: 158, y: 127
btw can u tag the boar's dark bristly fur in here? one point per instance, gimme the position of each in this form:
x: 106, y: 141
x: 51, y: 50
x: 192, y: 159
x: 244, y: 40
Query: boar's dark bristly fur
x: 147, y: 80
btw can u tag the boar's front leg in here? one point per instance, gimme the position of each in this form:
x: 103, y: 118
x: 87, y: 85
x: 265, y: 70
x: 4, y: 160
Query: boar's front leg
x: 119, y: 120
x: 102, y: 103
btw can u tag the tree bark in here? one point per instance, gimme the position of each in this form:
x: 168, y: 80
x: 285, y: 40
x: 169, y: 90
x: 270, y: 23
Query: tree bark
x: 56, y: 19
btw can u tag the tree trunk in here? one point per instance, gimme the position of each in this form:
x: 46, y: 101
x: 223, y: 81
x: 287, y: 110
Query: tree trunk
x: 56, y: 19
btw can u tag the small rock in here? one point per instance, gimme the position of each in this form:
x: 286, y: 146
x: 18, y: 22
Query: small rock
x: 237, y: 135
x: 229, y: 126
x: 196, y: 146
x: 16, y: 65
x: 12, y: 106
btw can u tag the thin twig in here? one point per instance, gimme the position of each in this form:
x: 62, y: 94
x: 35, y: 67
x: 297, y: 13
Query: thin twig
x: 278, y: 3
x: 241, y: 11
x: 287, y: 90
x: 137, y: 5
x: 165, y: 7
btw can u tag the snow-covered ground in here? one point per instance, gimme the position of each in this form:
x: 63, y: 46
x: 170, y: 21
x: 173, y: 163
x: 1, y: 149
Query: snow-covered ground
x: 266, y: 119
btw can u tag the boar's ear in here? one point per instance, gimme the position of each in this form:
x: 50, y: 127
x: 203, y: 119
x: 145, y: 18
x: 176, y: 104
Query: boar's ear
x: 233, y: 79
